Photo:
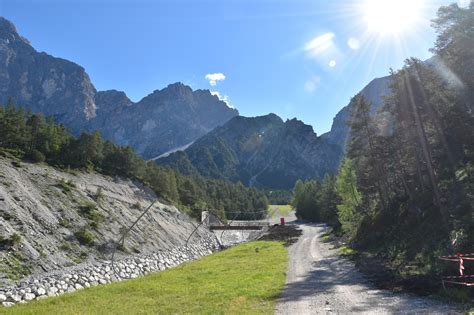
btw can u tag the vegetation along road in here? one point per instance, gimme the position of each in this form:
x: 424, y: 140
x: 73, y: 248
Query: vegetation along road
x: 319, y: 281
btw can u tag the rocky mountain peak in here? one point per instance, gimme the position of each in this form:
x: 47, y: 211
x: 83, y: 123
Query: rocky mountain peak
x: 374, y: 93
x: 111, y: 100
x: 178, y: 87
x: 8, y: 32
x: 269, y: 118
x: 299, y: 126
x: 173, y: 92
x: 251, y: 124
x: 165, y: 119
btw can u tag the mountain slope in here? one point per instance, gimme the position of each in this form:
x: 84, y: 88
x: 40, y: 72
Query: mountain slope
x: 48, y: 208
x: 265, y: 151
x: 259, y: 151
x: 160, y: 122
x: 373, y: 92
x: 164, y: 120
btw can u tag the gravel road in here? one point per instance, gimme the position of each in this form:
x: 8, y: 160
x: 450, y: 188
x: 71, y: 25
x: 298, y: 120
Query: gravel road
x: 321, y: 282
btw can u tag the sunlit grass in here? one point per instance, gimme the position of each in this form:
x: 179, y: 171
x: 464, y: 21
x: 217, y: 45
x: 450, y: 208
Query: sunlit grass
x: 277, y: 210
x: 326, y: 237
x: 244, y: 279
x: 346, y: 251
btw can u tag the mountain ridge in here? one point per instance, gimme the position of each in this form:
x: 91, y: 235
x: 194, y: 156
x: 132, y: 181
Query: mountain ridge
x: 373, y: 92
x: 162, y: 120
x: 174, y: 118
x: 262, y: 151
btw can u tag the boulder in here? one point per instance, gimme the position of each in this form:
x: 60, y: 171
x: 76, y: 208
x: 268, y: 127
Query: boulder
x: 28, y: 296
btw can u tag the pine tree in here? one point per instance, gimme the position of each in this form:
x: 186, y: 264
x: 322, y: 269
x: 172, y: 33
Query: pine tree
x: 366, y: 152
x: 328, y: 200
x: 346, y: 187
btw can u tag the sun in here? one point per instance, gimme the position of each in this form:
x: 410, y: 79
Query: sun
x: 391, y: 17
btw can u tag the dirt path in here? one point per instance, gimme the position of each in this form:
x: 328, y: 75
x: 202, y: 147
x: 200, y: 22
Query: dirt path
x: 321, y: 282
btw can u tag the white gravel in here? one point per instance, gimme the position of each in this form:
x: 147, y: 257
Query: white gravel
x: 319, y: 281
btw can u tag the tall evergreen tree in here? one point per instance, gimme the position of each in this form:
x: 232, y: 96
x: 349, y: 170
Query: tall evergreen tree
x: 346, y: 187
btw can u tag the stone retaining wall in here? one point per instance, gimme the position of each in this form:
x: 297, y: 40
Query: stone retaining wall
x: 38, y: 287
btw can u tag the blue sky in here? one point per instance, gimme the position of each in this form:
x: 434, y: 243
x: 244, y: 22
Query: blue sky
x: 295, y: 58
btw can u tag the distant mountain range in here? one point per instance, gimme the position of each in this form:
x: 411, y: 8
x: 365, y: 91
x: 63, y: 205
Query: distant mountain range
x: 165, y: 119
x: 267, y: 152
x: 192, y: 131
x: 260, y: 151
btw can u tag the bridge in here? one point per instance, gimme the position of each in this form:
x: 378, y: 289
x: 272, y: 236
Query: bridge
x: 214, y: 223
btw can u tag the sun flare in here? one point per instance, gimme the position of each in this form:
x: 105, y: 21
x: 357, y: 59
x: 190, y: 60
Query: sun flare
x: 391, y: 16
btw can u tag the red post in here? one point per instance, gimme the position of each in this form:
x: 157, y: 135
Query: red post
x: 282, y: 221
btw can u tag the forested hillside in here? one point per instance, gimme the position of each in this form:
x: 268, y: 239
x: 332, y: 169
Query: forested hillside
x: 39, y: 139
x: 259, y: 151
x: 405, y: 188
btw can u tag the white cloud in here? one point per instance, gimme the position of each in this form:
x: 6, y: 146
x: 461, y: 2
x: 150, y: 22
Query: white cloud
x: 332, y: 63
x: 353, y: 43
x: 213, y: 78
x: 311, y: 84
x: 223, y: 98
x: 319, y: 44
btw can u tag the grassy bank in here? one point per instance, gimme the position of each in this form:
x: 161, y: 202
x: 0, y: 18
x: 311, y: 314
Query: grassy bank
x: 243, y: 279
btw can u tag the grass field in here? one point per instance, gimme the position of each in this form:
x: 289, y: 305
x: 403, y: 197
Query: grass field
x: 245, y: 279
x: 277, y: 210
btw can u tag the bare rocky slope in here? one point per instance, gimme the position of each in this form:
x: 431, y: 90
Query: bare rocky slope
x: 44, y: 213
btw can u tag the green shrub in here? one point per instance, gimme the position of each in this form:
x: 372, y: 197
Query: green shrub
x: 13, y: 268
x: 98, y: 194
x: 16, y: 239
x: 16, y: 164
x: 65, y: 246
x: 64, y: 223
x: 36, y: 156
x: 95, y: 220
x: 11, y: 153
x: 326, y: 237
x: 346, y: 251
x: 65, y: 186
x: 89, y: 210
x: 85, y: 236
x: 87, y: 207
